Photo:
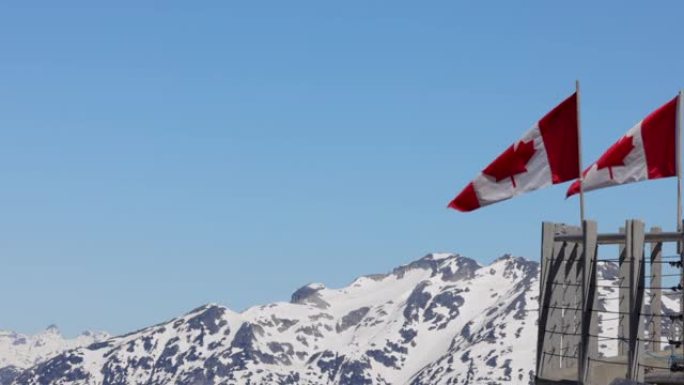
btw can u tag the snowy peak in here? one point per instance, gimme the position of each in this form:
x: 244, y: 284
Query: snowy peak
x: 22, y: 351
x: 450, y: 266
x: 310, y: 295
x: 514, y: 267
x: 447, y: 267
x: 52, y: 329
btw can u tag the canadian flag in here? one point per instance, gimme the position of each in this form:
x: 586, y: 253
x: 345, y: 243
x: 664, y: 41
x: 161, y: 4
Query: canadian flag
x: 647, y: 151
x: 547, y: 154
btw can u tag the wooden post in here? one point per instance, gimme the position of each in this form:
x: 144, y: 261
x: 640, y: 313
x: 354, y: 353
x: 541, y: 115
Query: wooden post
x: 589, y: 317
x: 656, y: 295
x: 571, y: 297
x: 548, y: 268
x: 561, y: 264
x: 554, y: 322
x: 637, y: 279
x: 624, y: 295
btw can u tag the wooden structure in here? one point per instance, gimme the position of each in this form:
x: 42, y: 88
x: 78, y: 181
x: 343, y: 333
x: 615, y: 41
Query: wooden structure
x: 569, y: 334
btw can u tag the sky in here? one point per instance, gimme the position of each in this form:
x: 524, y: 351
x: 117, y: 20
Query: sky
x: 158, y: 156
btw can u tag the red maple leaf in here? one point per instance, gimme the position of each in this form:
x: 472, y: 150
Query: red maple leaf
x: 511, y: 162
x: 616, y: 154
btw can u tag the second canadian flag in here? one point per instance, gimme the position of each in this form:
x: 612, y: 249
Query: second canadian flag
x: 647, y: 151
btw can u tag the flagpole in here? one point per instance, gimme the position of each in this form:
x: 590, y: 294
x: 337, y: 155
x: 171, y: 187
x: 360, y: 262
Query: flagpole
x: 678, y: 153
x: 579, y: 153
x: 678, y: 138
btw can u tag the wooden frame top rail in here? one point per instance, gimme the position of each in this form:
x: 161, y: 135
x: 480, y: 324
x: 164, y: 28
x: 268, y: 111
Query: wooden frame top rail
x: 617, y: 238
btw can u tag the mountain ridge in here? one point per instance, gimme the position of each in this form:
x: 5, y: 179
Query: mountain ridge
x: 20, y: 351
x: 442, y: 319
x: 380, y: 329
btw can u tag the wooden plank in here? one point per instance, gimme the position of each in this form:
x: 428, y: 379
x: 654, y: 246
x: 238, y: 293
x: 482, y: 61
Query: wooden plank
x: 656, y: 295
x: 554, y: 322
x: 589, y: 325
x: 571, y: 298
x: 624, y: 269
x: 617, y: 238
x: 636, y: 324
x: 546, y: 276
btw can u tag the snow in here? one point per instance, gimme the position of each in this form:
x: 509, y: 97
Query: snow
x: 23, y: 350
x: 443, y: 319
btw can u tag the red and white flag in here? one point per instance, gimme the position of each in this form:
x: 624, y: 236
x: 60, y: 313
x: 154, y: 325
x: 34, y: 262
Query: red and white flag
x: 646, y: 152
x: 547, y: 154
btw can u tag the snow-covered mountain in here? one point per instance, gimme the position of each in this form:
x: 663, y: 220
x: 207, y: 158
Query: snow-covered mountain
x: 443, y: 319
x: 20, y: 351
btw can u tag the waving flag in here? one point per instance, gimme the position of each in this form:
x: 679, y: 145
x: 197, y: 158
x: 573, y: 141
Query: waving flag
x: 647, y: 151
x: 547, y: 154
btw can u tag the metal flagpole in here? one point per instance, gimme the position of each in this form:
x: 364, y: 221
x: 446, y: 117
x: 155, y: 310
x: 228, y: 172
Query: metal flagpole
x: 580, y: 364
x: 579, y: 152
x: 678, y: 153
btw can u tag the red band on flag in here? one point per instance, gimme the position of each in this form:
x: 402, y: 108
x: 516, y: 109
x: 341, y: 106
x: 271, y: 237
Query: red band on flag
x: 658, y: 134
x: 559, y: 132
x: 573, y: 189
x: 466, y: 200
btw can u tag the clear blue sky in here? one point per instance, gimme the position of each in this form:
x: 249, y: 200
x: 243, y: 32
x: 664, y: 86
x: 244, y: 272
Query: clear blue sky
x: 155, y: 157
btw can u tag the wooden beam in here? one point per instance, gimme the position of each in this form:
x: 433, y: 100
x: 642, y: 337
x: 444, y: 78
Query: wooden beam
x: 589, y: 326
x: 636, y: 324
x: 656, y: 295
